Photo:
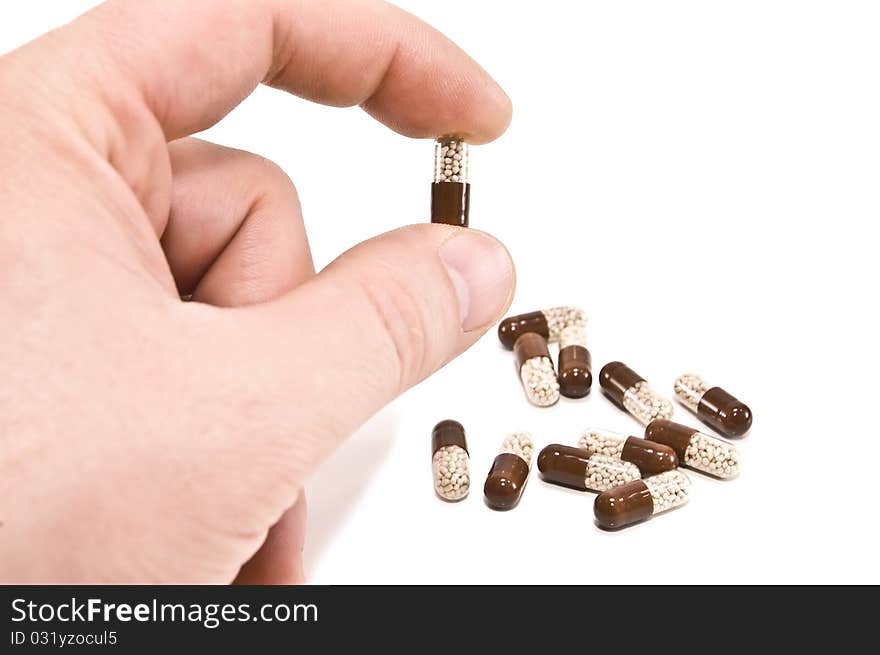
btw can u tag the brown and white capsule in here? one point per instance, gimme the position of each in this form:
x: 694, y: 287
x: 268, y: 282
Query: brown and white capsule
x: 549, y: 323
x: 631, y: 392
x: 696, y: 450
x: 509, y: 473
x: 713, y: 405
x: 575, y: 364
x: 449, y: 459
x: 641, y: 499
x: 451, y: 190
x: 536, y: 370
x: 650, y: 457
x: 580, y: 469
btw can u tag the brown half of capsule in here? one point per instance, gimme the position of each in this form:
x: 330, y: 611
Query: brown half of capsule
x: 651, y: 457
x: 623, y: 505
x: 448, y: 433
x: 510, y: 329
x: 729, y: 416
x: 450, y: 203
x: 564, y: 465
x: 575, y: 375
x: 616, y: 378
x: 674, y: 435
x: 528, y: 346
x: 505, y: 482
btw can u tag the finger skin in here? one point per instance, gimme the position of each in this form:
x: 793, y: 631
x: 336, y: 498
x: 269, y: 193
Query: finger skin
x: 235, y: 233
x: 192, y: 62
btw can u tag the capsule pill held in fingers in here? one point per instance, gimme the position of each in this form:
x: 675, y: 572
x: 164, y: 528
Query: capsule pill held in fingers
x: 650, y: 457
x: 631, y: 392
x: 509, y: 473
x: 641, y: 499
x: 580, y: 469
x: 713, y: 405
x: 575, y: 364
x: 449, y: 459
x: 536, y: 370
x: 695, y: 449
x: 549, y: 323
x: 451, y: 190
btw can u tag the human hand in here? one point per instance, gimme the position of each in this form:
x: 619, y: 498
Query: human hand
x: 146, y: 439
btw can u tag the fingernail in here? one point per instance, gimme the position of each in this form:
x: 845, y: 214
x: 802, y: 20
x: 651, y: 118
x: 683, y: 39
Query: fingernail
x: 482, y: 274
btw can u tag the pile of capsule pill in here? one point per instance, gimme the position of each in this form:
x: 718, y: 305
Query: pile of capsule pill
x: 634, y: 477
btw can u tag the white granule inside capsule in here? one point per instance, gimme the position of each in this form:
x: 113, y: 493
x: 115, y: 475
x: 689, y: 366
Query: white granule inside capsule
x: 689, y: 389
x: 559, y: 318
x: 539, y: 381
x: 451, y: 160
x: 712, y: 456
x: 600, y: 443
x: 604, y: 472
x: 451, y: 476
x: 573, y: 335
x: 668, y: 489
x: 520, y: 444
x: 642, y: 402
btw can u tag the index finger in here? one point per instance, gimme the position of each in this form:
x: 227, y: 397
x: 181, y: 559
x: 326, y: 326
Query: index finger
x: 192, y: 62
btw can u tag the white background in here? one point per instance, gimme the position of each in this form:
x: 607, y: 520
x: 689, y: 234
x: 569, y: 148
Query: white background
x: 702, y: 177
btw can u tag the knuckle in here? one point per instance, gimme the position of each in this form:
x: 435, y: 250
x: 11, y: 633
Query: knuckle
x: 272, y: 181
x: 268, y: 169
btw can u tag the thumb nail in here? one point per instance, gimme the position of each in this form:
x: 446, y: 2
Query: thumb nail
x: 482, y: 274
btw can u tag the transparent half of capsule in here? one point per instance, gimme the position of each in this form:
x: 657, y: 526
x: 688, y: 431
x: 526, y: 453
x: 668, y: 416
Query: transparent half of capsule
x: 575, y: 363
x: 713, y: 405
x: 580, y: 469
x: 509, y: 473
x: 631, y: 392
x: 549, y: 323
x: 641, y: 499
x: 536, y: 370
x: 696, y: 450
x: 449, y: 459
x: 451, y: 190
x: 650, y: 457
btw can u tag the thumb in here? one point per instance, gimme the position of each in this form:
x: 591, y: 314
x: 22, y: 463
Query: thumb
x: 308, y: 369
